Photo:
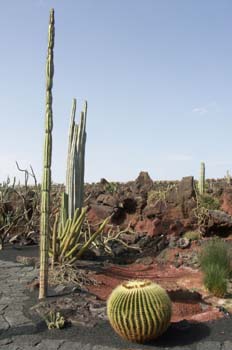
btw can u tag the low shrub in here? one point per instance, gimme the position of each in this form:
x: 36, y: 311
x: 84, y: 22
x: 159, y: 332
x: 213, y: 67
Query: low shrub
x: 209, y: 202
x: 111, y: 187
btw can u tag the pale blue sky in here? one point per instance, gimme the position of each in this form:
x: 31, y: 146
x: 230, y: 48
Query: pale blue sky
x: 157, y: 75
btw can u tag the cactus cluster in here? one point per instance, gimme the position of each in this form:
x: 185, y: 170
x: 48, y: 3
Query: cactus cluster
x: 55, y: 320
x: 67, y: 230
x: 76, y: 161
x: 68, y: 242
x: 139, y: 310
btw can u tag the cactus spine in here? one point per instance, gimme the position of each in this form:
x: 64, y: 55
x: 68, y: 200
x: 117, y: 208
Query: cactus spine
x: 46, y: 182
x: 201, y: 183
x: 139, y: 310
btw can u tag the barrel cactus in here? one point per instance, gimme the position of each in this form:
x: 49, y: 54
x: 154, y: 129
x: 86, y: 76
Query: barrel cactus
x: 139, y: 310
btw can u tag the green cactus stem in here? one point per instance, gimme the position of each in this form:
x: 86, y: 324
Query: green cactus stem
x: 54, y: 241
x: 139, y: 311
x: 70, y: 138
x: 76, y: 161
x: 228, y: 177
x: 201, y: 183
x: 46, y: 182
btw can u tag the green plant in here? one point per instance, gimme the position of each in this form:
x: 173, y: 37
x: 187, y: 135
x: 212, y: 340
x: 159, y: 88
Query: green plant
x: 68, y: 242
x: 54, y: 320
x: 68, y: 239
x: 209, y: 202
x: 215, y: 252
x: 193, y: 235
x: 46, y: 183
x: 139, y: 310
x: 111, y: 187
x: 215, y: 280
x: 215, y: 261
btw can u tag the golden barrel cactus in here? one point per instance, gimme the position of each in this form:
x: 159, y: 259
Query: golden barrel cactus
x: 139, y: 311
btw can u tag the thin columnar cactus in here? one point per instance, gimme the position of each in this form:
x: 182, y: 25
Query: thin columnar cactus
x: 46, y: 182
x: 72, y: 186
x: 76, y: 161
x: 201, y: 183
x: 139, y: 310
x: 228, y: 177
x: 82, y: 157
x: 70, y: 138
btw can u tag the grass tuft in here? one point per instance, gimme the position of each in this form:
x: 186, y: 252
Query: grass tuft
x: 215, y: 280
x: 215, y: 260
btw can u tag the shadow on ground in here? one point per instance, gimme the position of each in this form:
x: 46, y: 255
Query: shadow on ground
x: 182, y: 333
x: 177, y: 335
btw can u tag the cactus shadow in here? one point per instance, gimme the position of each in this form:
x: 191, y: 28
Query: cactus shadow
x: 182, y: 333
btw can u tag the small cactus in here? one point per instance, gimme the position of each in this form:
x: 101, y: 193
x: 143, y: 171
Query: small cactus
x: 139, y: 311
x: 201, y: 183
x: 228, y: 177
x: 54, y: 320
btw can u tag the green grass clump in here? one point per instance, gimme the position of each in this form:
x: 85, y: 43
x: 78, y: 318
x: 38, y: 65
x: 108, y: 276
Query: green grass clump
x: 215, y: 260
x: 215, y: 280
x: 193, y: 235
x: 216, y: 252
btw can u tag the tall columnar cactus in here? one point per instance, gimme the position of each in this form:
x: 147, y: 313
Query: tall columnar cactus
x: 139, y: 310
x: 70, y: 138
x: 76, y: 161
x: 46, y: 182
x: 201, y: 183
x: 228, y: 177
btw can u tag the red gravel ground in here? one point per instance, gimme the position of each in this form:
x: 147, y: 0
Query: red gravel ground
x: 170, y: 278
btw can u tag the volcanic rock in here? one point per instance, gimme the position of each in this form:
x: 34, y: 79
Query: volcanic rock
x: 227, y: 201
x: 150, y: 227
x: 183, y: 243
x: 218, y: 222
x: 143, y: 182
x: 186, y: 188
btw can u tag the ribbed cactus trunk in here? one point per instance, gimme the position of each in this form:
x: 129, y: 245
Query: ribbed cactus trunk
x: 228, y: 177
x: 82, y: 157
x: 201, y: 184
x: 46, y: 182
x: 70, y: 138
x: 76, y: 161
